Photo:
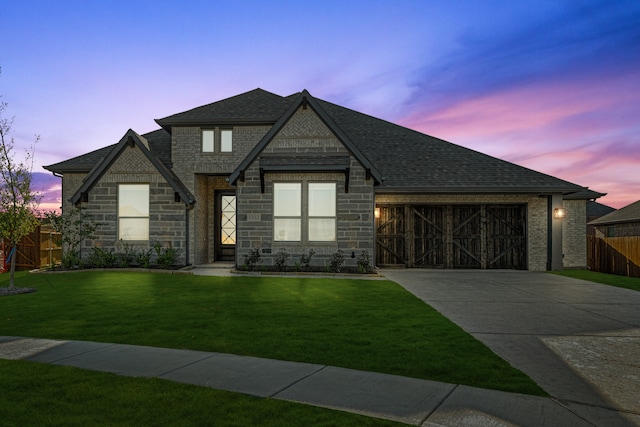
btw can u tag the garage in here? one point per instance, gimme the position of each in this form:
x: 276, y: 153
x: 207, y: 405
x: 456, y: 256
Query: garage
x: 479, y: 236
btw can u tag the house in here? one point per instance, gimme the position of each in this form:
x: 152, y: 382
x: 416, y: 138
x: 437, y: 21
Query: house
x: 619, y: 223
x: 259, y: 171
x: 596, y: 210
x: 615, y: 246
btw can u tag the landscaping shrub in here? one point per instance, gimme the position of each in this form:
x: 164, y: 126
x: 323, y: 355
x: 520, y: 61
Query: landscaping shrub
x: 100, y: 258
x: 336, y: 262
x: 364, y: 263
x: 305, y: 260
x: 252, y: 259
x: 281, y: 260
x: 165, y: 257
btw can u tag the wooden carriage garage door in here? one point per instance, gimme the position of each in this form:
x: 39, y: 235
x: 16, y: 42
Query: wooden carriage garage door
x: 452, y: 236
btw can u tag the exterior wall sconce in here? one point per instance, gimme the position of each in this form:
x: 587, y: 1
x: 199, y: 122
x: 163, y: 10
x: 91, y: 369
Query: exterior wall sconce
x: 559, y: 213
x: 376, y: 213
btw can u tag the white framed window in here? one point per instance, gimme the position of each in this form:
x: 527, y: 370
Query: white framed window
x: 226, y: 140
x: 208, y: 140
x: 217, y: 140
x: 133, y: 212
x: 322, y: 212
x: 317, y: 223
x: 287, y: 211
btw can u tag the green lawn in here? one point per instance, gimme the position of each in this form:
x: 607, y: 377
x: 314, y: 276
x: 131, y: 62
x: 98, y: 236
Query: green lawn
x: 34, y: 394
x: 607, y: 279
x: 359, y: 324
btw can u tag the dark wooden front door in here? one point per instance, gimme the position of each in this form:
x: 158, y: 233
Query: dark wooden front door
x: 452, y: 236
x: 225, y: 224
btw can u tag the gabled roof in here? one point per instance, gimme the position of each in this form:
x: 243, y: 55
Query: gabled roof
x: 159, y: 143
x: 399, y: 159
x: 254, y: 107
x: 305, y: 99
x: 131, y: 138
x: 411, y: 161
x: 597, y: 210
x: 630, y: 213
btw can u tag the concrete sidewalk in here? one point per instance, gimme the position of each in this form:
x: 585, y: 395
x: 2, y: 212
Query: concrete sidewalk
x: 407, y: 400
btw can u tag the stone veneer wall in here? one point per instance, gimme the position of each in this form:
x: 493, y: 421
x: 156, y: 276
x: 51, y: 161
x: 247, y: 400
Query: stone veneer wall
x: 574, y: 234
x: 192, y: 166
x: 306, y: 135
x: 166, y: 217
x: 536, y: 216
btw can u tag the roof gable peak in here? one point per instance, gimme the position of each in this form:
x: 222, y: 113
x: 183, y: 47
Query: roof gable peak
x: 304, y: 100
x: 131, y: 139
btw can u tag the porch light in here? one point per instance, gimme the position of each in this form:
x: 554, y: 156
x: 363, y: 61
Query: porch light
x: 559, y: 213
x: 376, y: 213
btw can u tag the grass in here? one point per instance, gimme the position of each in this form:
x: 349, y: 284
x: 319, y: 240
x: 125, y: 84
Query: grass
x: 47, y: 395
x: 606, y: 279
x: 359, y: 324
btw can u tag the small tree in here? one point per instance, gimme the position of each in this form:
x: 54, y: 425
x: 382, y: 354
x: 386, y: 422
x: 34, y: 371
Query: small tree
x: 74, y: 225
x: 18, y: 202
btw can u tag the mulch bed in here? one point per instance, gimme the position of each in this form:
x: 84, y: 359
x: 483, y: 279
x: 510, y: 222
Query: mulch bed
x: 5, y: 292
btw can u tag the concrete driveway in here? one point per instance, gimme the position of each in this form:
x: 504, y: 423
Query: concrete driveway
x: 578, y: 340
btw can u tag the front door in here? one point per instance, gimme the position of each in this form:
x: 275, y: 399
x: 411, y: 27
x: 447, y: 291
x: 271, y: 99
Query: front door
x: 225, y: 223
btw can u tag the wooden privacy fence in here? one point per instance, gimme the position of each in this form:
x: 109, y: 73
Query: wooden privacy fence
x: 41, y: 248
x: 614, y: 255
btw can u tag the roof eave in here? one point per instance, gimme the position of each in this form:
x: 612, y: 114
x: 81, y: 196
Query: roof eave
x: 475, y: 190
x: 213, y: 121
x: 102, y: 166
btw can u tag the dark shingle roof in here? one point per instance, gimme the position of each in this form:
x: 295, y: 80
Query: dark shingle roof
x: 412, y: 161
x: 131, y: 138
x: 596, y: 210
x: 159, y: 143
x: 630, y: 213
x: 405, y: 159
x: 256, y: 107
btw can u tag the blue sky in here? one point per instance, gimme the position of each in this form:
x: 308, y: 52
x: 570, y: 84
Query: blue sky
x: 550, y: 85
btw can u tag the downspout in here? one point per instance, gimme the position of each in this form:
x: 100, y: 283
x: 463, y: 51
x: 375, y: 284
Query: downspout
x: 186, y: 233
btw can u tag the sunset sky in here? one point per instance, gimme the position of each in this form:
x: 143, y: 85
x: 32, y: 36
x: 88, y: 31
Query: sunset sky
x: 550, y: 85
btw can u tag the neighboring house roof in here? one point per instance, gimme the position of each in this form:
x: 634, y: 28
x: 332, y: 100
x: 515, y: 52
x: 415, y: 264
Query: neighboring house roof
x: 132, y: 138
x: 597, y: 210
x: 630, y: 213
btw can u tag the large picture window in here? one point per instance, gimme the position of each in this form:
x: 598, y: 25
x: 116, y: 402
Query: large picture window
x: 287, y: 212
x: 317, y: 222
x: 133, y: 212
x: 322, y: 212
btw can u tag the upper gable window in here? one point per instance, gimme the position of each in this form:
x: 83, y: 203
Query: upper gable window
x: 208, y: 140
x: 217, y: 140
x: 226, y: 140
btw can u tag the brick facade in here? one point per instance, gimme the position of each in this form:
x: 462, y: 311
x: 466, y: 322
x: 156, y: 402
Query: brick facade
x: 166, y: 217
x: 574, y: 234
x: 304, y: 135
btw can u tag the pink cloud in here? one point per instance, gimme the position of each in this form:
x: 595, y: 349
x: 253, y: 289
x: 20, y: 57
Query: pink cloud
x: 583, y: 130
